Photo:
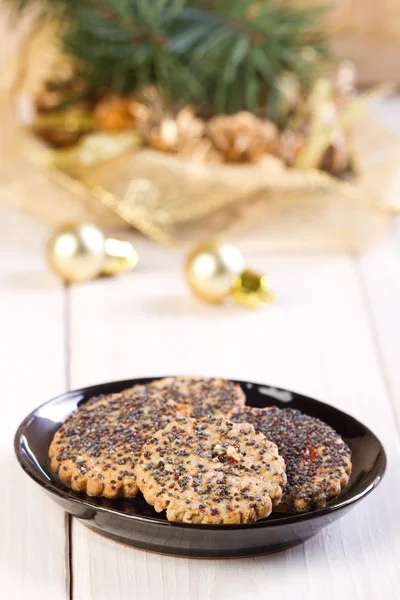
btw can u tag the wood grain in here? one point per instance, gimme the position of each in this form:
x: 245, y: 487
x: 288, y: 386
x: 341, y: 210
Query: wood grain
x: 316, y: 340
x: 379, y: 271
x: 33, y: 549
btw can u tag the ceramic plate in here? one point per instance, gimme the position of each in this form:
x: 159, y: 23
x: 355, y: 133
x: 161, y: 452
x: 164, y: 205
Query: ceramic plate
x: 135, y: 523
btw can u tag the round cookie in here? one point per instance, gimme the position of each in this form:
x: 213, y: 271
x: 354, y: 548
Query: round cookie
x: 204, y: 395
x: 210, y: 471
x: 97, y: 447
x: 318, y: 462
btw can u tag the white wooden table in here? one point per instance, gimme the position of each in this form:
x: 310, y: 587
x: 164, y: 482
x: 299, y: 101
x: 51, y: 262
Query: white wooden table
x: 334, y: 334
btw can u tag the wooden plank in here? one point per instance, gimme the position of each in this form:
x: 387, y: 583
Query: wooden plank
x: 34, y: 543
x: 380, y: 277
x: 316, y: 340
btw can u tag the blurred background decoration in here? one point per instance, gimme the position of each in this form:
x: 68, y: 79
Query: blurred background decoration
x: 192, y: 119
x: 80, y: 251
x: 215, y: 271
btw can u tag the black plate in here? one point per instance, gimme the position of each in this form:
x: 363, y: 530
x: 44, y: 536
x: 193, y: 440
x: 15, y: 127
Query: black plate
x: 135, y: 523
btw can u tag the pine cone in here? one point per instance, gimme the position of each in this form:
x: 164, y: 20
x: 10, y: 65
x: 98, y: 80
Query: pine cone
x: 167, y: 132
x: 243, y: 137
x: 62, y: 84
x: 49, y: 98
x: 63, y: 128
x: 59, y: 138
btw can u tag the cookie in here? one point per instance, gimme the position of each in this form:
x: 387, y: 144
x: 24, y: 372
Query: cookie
x: 210, y: 471
x: 318, y: 462
x: 97, y: 447
x: 204, y: 395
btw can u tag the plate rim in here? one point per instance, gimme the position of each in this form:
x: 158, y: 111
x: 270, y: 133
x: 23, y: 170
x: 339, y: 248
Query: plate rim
x: 380, y: 466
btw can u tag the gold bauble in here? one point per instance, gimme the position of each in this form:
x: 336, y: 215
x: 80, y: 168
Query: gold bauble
x: 216, y: 270
x: 80, y: 251
x: 211, y: 268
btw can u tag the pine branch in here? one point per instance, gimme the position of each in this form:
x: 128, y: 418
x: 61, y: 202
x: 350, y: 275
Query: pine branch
x: 125, y: 50
x: 226, y: 55
x: 247, y: 47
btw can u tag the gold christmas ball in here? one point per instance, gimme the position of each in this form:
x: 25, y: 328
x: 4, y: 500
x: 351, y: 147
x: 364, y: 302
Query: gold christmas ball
x: 80, y: 251
x: 211, y: 269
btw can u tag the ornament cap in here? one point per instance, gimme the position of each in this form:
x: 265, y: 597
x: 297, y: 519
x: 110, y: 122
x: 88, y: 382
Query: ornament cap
x: 252, y: 289
x: 119, y: 257
x: 80, y: 251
